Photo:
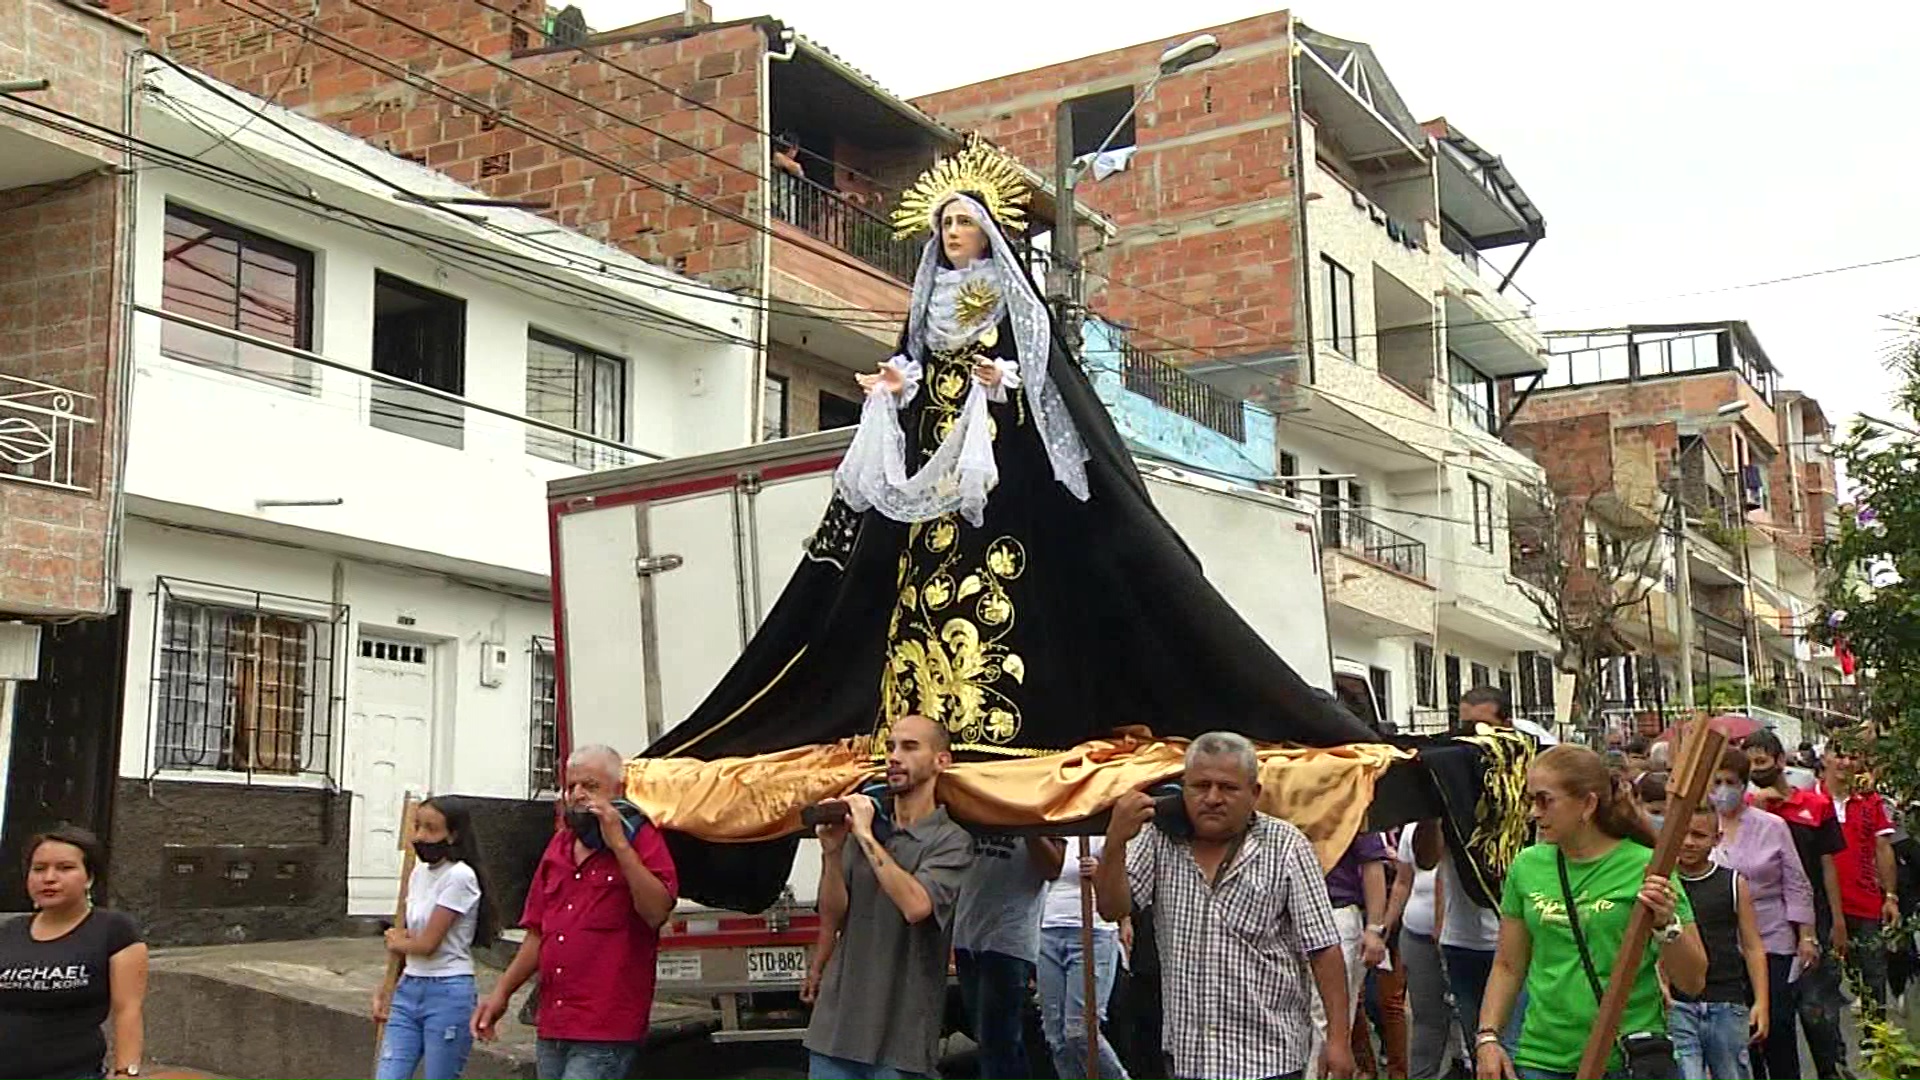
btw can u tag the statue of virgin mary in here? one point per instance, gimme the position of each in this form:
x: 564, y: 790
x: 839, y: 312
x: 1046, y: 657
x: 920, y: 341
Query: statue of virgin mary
x: 991, y: 558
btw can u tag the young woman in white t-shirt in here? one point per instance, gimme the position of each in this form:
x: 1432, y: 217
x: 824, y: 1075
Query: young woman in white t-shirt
x: 447, y: 914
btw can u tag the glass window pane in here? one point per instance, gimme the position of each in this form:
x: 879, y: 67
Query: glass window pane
x: 223, y: 275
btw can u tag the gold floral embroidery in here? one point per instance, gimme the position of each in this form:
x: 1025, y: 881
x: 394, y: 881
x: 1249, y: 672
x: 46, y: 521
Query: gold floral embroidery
x: 948, y: 657
x: 948, y: 666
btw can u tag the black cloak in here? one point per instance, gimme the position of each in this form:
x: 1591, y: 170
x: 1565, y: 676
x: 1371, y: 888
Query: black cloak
x: 1117, y: 626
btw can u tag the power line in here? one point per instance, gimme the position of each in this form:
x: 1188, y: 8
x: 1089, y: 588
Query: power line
x: 441, y: 90
x: 393, y: 70
x: 654, y: 318
x: 448, y: 43
x: 591, y: 51
x: 576, y: 260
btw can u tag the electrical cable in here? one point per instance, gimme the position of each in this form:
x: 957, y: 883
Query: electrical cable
x: 436, y: 88
x: 577, y: 261
x: 77, y: 127
x: 589, y: 50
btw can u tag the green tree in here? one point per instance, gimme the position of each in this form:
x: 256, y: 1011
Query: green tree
x: 1873, y: 571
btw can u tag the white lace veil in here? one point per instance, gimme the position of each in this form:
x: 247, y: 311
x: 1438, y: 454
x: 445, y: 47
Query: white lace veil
x: 962, y: 471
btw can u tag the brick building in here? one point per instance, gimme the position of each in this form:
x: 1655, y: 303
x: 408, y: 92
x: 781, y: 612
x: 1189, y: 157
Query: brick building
x: 659, y: 138
x: 1287, y: 231
x: 1628, y: 421
x: 63, y: 219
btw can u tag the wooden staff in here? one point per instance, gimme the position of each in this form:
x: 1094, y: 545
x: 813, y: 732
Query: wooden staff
x: 1699, y: 754
x: 395, y: 962
x: 1090, y: 1010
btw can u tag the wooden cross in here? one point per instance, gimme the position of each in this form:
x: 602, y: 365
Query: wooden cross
x: 1697, y: 755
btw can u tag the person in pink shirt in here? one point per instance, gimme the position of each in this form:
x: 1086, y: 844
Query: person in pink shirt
x: 1759, y: 847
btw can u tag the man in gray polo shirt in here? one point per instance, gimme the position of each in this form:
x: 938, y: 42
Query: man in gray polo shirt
x: 879, y: 989
x: 996, y: 943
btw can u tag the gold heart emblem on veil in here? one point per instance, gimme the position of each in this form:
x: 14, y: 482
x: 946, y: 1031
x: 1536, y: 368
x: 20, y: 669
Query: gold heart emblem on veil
x: 975, y: 303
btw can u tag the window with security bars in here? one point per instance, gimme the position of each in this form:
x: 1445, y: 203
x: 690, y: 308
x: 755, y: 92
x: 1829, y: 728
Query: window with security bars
x: 543, y: 766
x: 242, y: 689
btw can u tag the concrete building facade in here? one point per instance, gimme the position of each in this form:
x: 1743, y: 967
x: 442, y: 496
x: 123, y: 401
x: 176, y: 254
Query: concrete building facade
x: 1642, y: 428
x: 1286, y: 232
x: 351, y: 385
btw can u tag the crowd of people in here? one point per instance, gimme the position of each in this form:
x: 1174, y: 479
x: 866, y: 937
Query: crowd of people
x: 1791, y: 868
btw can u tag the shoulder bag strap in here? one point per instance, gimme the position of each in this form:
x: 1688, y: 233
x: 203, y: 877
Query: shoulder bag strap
x: 1580, y: 940
x: 1573, y: 920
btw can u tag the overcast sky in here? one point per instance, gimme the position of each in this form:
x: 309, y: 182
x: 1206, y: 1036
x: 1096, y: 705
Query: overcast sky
x: 1673, y: 147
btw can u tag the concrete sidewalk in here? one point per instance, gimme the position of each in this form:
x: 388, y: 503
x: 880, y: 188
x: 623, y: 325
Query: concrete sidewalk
x: 301, y: 1008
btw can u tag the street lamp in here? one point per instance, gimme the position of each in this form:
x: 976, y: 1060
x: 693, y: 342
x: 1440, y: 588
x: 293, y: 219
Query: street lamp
x: 1067, y: 173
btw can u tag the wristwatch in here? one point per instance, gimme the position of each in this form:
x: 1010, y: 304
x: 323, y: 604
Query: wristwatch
x: 1378, y: 929
x: 128, y: 1070
x: 1669, y: 933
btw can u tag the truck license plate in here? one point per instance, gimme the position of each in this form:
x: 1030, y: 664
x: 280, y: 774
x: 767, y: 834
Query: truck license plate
x: 778, y: 963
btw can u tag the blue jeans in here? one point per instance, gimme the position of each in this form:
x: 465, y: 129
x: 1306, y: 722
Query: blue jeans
x: 1063, y: 1010
x: 1467, y: 973
x: 1710, y: 1040
x: 993, y: 987
x: 428, y: 1019
x: 822, y: 1067
x: 577, y: 1059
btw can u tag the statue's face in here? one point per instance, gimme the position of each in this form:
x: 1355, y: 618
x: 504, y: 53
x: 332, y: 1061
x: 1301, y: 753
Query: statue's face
x: 961, y: 236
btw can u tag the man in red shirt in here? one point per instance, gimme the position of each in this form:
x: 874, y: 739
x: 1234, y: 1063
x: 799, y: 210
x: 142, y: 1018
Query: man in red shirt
x: 1869, y: 895
x: 1817, y: 998
x: 603, y: 888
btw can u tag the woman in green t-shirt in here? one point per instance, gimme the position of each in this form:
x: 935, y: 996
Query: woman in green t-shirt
x: 1587, y: 816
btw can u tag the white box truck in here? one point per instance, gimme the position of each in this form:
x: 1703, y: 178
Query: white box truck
x: 663, y: 571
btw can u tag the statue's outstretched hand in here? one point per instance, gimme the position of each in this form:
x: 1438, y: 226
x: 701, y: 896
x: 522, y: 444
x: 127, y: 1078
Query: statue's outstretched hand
x: 888, y: 377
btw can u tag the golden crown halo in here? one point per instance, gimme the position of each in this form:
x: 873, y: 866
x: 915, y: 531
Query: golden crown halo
x: 978, y: 168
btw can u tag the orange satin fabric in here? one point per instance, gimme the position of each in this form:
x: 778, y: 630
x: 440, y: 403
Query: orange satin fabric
x: 1325, y: 793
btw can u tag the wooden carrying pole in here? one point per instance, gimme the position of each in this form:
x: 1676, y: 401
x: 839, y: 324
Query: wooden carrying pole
x: 395, y: 962
x: 1698, y: 754
x: 1089, y: 996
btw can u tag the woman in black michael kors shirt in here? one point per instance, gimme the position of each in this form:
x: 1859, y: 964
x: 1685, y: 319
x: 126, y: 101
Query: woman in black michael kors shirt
x: 67, y: 968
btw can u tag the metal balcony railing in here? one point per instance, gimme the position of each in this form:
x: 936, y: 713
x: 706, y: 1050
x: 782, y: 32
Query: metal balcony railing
x: 1357, y: 534
x: 822, y: 213
x: 41, y: 430
x: 1167, y: 386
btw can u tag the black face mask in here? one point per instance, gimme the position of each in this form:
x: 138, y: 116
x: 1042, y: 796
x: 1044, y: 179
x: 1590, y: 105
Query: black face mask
x: 586, y: 828
x: 1766, y: 777
x: 432, y: 851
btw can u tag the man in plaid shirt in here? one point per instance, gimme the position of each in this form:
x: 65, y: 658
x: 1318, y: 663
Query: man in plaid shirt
x: 1241, y: 915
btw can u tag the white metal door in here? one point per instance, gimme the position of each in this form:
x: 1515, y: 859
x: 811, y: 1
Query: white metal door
x: 389, y: 754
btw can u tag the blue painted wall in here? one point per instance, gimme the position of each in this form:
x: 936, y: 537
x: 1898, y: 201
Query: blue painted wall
x: 1161, y: 432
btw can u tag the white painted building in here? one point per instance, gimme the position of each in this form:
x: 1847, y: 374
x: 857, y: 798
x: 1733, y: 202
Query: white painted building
x: 337, y: 583
x: 1395, y: 403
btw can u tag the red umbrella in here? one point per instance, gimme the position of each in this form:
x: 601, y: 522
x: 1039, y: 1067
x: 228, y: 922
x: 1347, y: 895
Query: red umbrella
x: 1734, y: 726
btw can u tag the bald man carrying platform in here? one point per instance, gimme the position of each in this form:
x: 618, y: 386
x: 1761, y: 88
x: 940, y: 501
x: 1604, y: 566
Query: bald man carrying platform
x: 878, y: 980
